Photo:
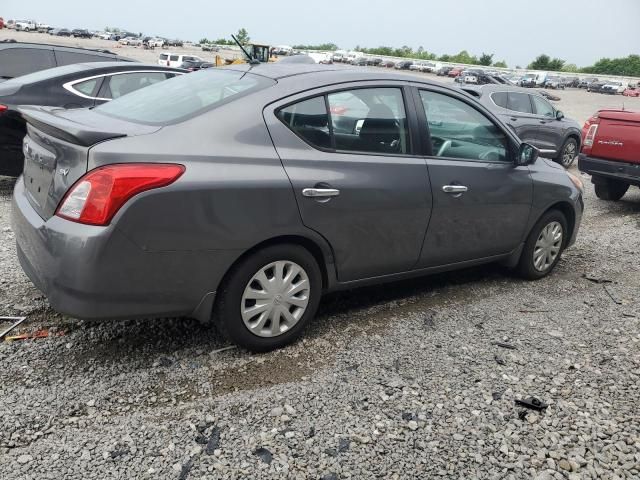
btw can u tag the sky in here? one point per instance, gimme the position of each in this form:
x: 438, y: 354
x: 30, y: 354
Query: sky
x: 578, y: 31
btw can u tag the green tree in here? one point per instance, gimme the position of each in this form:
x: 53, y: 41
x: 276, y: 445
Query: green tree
x: 322, y: 46
x: 500, y: 64
x: 243, y: 36
x: 486, y: 59
x: 571, y: 67
x: 627, y: 66
x: 544, y: 62
x: 204, y: 41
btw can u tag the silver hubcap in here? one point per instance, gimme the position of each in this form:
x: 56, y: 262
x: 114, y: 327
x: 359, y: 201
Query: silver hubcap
x: 569, y: 153
x: 275, y: 298
x: 547, y: 246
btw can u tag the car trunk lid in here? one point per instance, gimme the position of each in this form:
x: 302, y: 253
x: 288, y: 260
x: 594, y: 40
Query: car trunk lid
x: 618, y: 136
x: 57, y: 146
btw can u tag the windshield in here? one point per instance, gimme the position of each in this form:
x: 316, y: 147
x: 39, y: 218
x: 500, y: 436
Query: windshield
x: 183, y: 97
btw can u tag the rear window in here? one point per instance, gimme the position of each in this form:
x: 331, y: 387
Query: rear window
x: 184, y: 97
x: 67, y: 58
x: 174, y: 58
x: 163, y: 56
x: 43, y: 74
x: 21, y: 61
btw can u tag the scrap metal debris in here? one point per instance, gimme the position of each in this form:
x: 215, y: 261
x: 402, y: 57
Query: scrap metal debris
x: 533, y: 403
x: 594, y: 279
x: 612, y: 295
x: 33, y: 335
x: 17, y: 321
x: 508, y: 346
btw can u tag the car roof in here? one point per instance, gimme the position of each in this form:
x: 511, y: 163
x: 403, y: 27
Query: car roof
x: 480, y: 90
x: 330, y: 73
x: 5, y: 45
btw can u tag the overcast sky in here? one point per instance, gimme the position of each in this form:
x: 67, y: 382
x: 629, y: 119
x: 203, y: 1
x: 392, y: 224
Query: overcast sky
x: 579, y: 31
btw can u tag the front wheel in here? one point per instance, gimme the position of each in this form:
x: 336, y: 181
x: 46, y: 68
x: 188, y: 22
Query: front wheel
x: 544, y: 246
x: 568, y: 152
x: 611, y: 190
x: 268, y: 298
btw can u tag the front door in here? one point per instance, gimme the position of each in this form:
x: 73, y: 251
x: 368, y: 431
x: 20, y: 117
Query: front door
x: 550, y: 132
x: 348, y: 154
x: 481, y: 200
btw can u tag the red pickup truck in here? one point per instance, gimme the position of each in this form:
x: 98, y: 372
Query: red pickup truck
x: 611, y: 152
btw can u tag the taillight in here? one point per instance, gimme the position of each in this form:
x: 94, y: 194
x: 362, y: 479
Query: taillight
x: 591, y: 134
x: 99, y: 194
x: 3, y: 108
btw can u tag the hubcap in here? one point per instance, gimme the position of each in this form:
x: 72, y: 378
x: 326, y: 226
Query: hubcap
x: 547, y: 246
x: 275, y: 298
x: 569, y: 154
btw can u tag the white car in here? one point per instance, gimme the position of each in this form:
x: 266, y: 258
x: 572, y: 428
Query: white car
x: 169, y: 59
x: 157, y: 42
x: 104, y: 35
x: 26, y: 25
x: 131, y: 41
x: 613, y: 88
x: 416, y: 67
x: 43, y: 27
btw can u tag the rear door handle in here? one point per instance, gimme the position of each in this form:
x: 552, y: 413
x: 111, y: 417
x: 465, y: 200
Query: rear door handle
x: 320, y: 192
x: 514, y: 119
x: 455, y: 189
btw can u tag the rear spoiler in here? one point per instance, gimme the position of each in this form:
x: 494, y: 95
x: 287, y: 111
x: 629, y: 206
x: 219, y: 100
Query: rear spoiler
x: 52, y: 121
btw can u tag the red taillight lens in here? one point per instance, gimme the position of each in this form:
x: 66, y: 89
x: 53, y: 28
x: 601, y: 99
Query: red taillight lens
x: 3, y: 108
x: 98, y: 195
x: 591, y: 134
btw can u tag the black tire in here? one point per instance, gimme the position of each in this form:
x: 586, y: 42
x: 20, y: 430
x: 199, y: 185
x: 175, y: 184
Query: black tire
x: 611, y: 190
x: 526, y: 268
x: 227, y: 312
x: 570, y: 149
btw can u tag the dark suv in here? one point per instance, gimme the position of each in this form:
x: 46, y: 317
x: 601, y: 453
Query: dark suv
x: 534, y: 119
x: 81, y: 33
x: 22, y: 58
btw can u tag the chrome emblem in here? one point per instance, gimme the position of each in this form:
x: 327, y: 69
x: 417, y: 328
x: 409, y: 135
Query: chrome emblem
x: 63, y: 171
x: 614, y: 143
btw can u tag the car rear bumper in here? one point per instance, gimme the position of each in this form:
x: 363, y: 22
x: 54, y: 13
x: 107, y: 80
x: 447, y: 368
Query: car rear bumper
x: 600, y: 168
x: 93, y: 272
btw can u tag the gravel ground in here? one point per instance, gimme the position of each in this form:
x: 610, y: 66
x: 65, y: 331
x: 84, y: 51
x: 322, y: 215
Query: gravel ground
x: 400, y: 381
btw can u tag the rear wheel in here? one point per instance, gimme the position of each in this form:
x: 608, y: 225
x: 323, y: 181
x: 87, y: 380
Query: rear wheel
x: 268, y: 298
x: 568, y: 152
x: 612, y: 190
x: 544, y: 246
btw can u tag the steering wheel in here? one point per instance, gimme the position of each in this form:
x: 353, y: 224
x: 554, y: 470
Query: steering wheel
x: 443, y: 148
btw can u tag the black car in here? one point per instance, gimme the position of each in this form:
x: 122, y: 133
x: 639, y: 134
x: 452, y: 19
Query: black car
x: 23, y: 58
x: 444, y: 71
x: 81, y: 33
x: 71, y: 86
x: 374, y: 62
x: 596, y: 87
x: 60, y: 32
x: 403, y: 65
x: 585, y: 82
x: 361, y: 61
x: 193, y: 65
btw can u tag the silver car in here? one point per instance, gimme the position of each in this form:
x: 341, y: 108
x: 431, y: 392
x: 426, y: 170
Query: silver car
x: 243, y: 194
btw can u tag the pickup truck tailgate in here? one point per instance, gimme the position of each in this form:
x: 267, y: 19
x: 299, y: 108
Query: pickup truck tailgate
x: 618, y: 137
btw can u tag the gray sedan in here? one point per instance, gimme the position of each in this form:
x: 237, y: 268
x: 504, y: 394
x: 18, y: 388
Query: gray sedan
x: 243, y: 194
x: 534, y: 119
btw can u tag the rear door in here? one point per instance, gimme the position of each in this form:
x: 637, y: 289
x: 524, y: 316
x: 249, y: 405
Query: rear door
x: 481, y: 200
x: 355, y: 176
x: 515, y: 109
x: 550, y: 131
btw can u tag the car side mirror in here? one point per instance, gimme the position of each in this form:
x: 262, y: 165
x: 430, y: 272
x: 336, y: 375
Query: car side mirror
x: 527, y: 154
x: 559, y: 115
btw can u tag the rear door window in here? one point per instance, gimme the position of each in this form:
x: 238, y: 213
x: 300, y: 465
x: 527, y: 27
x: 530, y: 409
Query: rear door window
x: 174, y: 58
x: 163, y: 56
x: 21, y: 61
x: 309, y: 120
x: 500, y: 99
x: 519, y: 102
x: 88, y: 87
x: 118, y: 85
x: 542, y: 107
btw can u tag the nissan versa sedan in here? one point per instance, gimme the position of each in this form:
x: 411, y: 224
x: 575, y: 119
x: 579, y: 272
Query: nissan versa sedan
x: 534, y: 120
x: 243, y: 194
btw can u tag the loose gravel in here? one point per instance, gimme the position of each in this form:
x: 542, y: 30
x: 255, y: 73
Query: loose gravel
x: 416, y: 379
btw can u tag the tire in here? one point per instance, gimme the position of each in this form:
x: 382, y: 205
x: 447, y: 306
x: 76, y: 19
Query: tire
x: 568, y: 152
x: 610, y: 190
x: 230, y: 301
x: 547, y: 224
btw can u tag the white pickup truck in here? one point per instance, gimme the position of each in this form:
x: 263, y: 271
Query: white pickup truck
x: 26, y: 25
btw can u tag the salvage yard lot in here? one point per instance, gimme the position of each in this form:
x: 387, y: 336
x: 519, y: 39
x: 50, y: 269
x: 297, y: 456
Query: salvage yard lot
x: 416, y: 379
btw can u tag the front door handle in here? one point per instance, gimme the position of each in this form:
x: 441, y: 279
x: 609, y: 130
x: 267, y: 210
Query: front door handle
x: 320, y: 192
x: 455, y: 189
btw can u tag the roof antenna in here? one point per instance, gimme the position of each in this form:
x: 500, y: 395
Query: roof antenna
x: 250, y: 59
